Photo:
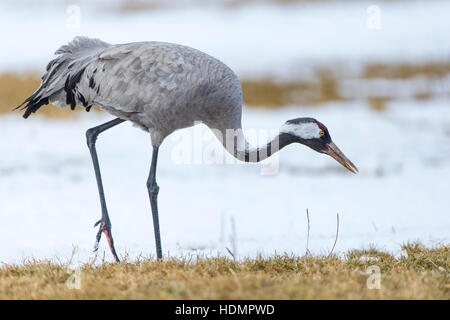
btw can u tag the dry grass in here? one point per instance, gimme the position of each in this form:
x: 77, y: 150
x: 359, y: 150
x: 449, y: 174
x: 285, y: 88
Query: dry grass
x: 15, y: 88
x: 407, y: 71
x: 138, y: 6
x: 378, y: 103
x: 270, y: 93
x: 321, y: 86
x: 126, y: 6
x: 423, y: 274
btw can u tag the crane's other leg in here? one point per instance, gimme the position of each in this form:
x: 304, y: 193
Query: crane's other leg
x: 105, y: 223
x: 153, y: 194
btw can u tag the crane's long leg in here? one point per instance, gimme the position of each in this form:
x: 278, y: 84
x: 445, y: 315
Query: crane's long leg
x: 153, y: 194
x: 105, y: 223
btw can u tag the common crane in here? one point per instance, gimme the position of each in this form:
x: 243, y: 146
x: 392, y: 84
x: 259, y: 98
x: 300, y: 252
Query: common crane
x: 161, y: 87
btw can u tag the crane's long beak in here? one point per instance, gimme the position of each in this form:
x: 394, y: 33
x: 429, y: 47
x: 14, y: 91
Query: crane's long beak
x: 334, y: 152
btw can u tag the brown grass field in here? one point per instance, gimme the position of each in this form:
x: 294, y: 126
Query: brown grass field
x: 266, y: 92
x: 421, y: 273
x: 322, y: 87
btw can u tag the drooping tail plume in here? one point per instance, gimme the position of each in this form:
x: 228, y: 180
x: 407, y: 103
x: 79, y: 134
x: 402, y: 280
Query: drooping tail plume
x: 65, y: 69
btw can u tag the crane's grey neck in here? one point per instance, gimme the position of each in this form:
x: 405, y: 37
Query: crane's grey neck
x: 238, y: 146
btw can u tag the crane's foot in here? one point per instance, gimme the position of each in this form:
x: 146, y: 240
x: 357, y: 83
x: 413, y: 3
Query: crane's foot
x: 106, y: 229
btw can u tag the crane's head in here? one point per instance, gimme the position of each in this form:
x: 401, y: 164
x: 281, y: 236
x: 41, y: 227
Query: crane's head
x: 314, y: 134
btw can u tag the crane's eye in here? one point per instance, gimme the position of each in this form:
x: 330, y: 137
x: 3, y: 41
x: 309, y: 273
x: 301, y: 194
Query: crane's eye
x: 321, y: 133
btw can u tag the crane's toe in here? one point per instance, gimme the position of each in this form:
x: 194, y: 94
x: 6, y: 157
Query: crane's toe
x: 105, y: 228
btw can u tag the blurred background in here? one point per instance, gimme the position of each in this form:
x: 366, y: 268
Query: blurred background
x: 377, y: 73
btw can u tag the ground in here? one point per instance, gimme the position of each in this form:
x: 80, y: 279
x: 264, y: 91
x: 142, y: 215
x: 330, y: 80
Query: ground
x: 370, y: 274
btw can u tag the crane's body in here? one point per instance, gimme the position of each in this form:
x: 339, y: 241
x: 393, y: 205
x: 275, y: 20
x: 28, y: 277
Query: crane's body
x: 161, y: 87
x: 148, y: 83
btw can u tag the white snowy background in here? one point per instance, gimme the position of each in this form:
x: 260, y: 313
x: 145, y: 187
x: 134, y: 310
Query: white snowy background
x: 48, y: 195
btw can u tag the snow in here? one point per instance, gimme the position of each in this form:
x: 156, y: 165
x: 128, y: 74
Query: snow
x: 49, y: 200
x: 277, y: 38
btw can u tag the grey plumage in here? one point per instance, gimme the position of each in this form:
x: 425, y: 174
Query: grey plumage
x: 72, y: 59
x: 161, y: 87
